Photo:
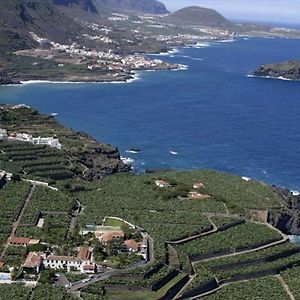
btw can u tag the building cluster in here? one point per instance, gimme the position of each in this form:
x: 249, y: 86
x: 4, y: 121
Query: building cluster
x: 25, y: 137
x: 193, y: 195
x: 105, y: 234
x: 83, y: 262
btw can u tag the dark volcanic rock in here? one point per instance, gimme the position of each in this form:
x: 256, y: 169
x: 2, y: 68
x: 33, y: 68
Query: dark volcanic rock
x: 286, y: 218
x: 5, y: 79
x: 286, y: 70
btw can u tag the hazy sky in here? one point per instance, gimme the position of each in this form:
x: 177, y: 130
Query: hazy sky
x: 285, y: 11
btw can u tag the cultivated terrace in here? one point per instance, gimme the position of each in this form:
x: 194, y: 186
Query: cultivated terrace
x: 71, y: 228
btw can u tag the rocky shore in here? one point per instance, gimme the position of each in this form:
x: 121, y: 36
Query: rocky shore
x: 286, y: 70
x: 287, y: 217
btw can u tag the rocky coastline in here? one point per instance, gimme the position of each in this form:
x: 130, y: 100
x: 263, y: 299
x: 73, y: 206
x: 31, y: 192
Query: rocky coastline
x: 289, y: 70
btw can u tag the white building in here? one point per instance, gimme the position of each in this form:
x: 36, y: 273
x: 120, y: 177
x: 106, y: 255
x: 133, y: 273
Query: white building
x: 25, y: 137
x: 3, y: 134
x: 50, y: 141
x: 83, y: 261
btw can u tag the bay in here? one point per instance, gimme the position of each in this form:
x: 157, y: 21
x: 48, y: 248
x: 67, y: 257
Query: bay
x: 209, y: 116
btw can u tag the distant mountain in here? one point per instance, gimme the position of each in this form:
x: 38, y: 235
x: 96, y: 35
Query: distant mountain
x: 87, y: 5
x: 194, y: 15
x: 146, y: 6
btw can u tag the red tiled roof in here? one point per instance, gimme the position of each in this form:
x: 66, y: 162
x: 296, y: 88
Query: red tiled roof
x: 33, y: 260
x: 132, y: 244
x: 84, y: 253
x: 110, y: 235
x: 18, y: 240
x: 62, y: 258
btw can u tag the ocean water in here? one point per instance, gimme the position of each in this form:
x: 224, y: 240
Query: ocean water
x: 209, y: 116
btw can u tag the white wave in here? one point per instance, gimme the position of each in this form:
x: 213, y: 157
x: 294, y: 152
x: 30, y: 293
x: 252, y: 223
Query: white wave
x: 226, y: 41
x: 190, y: 57
x: 271, y: 77
x: 127, y: 160
x: 295, y: 193
x: 181, y: 68
x: 135, y: 77
x: 173, y: 152
x: 53, y: 114
x: 198, y: 45
x: 133, y: 151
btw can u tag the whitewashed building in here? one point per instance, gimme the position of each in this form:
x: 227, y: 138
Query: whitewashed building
x: 83, y: 262
x: 3, y: 134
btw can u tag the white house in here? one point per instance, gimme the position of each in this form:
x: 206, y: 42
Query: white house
x: 3, y: 134
x: 82, y: 262
x: 50, y: 141
x: 24, y: 137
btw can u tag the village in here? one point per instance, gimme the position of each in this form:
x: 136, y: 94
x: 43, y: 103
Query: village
x: 92, y: 258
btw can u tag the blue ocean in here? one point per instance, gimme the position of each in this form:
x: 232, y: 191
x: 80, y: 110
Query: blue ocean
x: 209, y: 116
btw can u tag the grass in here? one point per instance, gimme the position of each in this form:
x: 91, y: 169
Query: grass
x: 113, y: 222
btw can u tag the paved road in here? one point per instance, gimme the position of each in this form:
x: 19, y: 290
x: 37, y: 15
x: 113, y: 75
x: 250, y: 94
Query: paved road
x: 62, y: 280
x: 79, y: 285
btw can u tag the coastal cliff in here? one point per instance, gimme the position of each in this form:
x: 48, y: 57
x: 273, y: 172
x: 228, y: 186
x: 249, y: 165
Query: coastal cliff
x: 287, y: 217
x: 81, y: 156
x: 285, y: 70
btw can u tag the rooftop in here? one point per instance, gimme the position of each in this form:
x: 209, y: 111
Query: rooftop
x: 18, y: 240
x: 33, y: 260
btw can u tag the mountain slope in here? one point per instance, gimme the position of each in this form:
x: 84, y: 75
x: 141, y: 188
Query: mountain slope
x: 86, y: 5
x: 194, y: 15
x: 146, y: 6
x: 19, y: 17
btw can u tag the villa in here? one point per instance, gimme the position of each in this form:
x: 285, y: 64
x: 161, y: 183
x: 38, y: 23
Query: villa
x: 25, y: 137
x: 140, y: 248
x: 33, y: 263
x: 105, y: 237
x: 83, y: 262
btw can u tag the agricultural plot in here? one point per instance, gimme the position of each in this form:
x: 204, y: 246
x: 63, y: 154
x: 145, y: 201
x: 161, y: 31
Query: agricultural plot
x: 14, y: 256
x: 14, y: 292
x: 221, y: 221
x: 225, y: 268
x: 54, y: 208
x: 34, y: 161
x: 164, y: 214
x: 241, y: 236
x: 292, y: 279
x: 46, y: 200
x: 46, y: 291
x: 262, y: 289
x: 12, y: 196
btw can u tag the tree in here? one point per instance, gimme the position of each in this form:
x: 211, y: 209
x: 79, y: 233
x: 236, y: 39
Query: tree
x: 115, y: 246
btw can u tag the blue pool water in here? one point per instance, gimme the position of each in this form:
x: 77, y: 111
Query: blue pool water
x: 212, y: 115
